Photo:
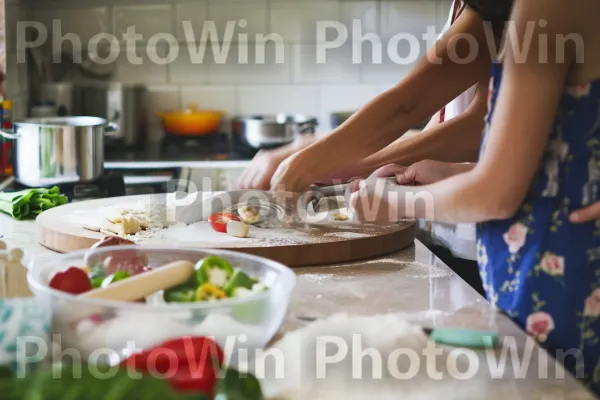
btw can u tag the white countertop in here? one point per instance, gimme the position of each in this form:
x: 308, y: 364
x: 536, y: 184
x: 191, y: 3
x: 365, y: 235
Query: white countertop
x: 412, y: 283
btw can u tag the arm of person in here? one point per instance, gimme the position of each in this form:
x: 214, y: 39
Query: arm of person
x: 520, y: 128
x: 456, y: 140
x: 436, y: 80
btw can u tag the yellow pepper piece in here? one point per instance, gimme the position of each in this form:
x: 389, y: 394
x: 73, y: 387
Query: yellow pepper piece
x: 208, y: 291
x: 87, y: 270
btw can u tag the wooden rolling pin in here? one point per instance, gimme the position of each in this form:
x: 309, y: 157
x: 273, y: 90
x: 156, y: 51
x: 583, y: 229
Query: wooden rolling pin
x: 145, y: 284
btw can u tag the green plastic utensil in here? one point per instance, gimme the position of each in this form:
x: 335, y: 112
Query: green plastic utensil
x: 463, y: 338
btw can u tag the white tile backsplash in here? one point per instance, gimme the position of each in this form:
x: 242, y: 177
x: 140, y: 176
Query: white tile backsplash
x: 84, y: 22
x: 407, y: 17
x: 296, y: 21
x: 315, y: 65
x: 189, y: 67
x: 364, y: 14
x: 294, y: 82
x: 289, y: 99
x: 190, y: 17
x: 136, y: 65
x: 145, y: 20
x: 251, y: 64
x: 247, y: 17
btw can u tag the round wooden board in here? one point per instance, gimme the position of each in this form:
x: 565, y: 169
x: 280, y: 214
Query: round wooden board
x: 61, y: 229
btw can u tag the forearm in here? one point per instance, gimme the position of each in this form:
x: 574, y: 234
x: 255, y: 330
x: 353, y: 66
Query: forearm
x: 455, y: 141
x: 424, y: 92
x: 462, y: 198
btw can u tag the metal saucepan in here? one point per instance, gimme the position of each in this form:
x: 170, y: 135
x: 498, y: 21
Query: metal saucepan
x: 191, y: 121
x: 51, y: 151
x: 272, y: 131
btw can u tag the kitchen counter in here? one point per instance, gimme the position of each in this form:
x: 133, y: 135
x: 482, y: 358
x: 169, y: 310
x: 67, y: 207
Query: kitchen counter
x: 414, y: 284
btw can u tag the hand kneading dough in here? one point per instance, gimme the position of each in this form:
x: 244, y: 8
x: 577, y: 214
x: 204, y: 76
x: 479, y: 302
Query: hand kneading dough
x: 386, y: 334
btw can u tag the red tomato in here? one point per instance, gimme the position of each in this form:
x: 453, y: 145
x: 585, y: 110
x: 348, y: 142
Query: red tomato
x: 74, y: 280
x: 219, y: 221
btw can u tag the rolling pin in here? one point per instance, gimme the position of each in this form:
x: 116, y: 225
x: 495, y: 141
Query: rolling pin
x: 145, y: 284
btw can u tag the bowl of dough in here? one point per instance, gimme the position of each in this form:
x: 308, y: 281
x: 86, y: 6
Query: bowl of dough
x: 239, y: 300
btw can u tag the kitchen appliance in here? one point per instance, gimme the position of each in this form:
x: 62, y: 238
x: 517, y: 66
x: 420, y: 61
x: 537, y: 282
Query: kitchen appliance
x: 60, y: 96
x: 191, y: 121
x: 270, y: 131
x: 125, y: 105
x: 51, y: 151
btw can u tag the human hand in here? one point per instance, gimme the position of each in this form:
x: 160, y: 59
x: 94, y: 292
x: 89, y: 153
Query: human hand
x: 295, y: 173
x: 421, y: 173
x: 260, y: 171
x: 586, y: 214
x: 376, y: 200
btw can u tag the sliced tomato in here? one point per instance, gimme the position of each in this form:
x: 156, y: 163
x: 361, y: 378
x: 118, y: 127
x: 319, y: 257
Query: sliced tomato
x: 219, y: 221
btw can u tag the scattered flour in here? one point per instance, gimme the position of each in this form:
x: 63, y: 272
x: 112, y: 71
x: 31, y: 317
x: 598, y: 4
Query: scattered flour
x: 347, y: 235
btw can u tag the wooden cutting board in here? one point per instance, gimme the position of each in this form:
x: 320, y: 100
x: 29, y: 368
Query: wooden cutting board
x: 328, y: 242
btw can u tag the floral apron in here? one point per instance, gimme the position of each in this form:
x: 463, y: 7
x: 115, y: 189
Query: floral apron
x: 537, y: 267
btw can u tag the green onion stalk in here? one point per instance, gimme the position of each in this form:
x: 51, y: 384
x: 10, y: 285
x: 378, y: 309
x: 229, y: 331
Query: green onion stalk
x: 29, y: 203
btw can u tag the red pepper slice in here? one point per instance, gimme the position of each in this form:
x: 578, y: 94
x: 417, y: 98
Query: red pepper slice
x: 188, y: 380
x: 188, y: 363
x: 219, y: 221
x: 74, y: 280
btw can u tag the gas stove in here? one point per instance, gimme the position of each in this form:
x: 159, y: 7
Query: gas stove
x: 214, y: 143
x: 111, y: 184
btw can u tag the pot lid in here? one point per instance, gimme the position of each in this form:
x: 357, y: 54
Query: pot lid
x: 54, y: 122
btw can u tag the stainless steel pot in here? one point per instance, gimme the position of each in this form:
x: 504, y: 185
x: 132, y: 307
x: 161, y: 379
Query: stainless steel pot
x: 272, y: 131
x: 51, y: 151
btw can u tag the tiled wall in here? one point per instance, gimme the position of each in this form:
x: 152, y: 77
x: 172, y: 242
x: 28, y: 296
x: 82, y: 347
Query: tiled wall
x: 297, y: 85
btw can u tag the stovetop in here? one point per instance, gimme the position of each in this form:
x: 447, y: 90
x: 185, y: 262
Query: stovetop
x: 173, y: 148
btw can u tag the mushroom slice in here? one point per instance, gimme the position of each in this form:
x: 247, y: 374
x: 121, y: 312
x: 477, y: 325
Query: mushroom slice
x: 249, y: 214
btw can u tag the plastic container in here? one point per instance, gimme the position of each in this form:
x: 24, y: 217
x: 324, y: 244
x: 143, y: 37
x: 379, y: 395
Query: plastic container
x: 115, y: 329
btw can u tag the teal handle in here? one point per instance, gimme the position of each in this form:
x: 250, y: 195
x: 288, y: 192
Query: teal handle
x: 464, y: 338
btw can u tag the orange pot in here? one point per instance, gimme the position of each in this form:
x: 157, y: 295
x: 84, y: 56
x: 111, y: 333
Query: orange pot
x: 191, y: 121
